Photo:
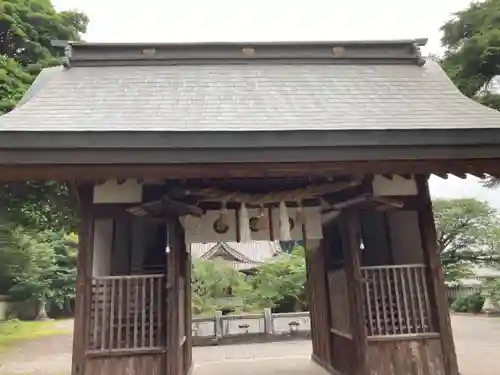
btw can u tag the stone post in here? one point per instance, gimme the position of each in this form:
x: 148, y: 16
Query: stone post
x: 268, y: 322
x: 218, y: 325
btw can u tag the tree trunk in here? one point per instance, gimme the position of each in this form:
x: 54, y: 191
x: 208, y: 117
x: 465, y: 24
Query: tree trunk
x: 41, y: 311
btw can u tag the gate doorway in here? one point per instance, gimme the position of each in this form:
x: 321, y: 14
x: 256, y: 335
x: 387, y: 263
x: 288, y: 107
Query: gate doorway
x: 371, y: 292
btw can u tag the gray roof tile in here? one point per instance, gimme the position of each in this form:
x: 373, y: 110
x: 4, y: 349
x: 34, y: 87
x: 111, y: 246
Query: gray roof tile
x: 248, y: 97
x: 254, y: 252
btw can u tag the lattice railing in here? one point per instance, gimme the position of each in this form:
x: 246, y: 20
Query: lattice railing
x: 396, y: 300
x: 127, y: 312
x: 339, y: 306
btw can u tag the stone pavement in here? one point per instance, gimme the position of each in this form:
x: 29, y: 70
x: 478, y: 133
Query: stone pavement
x: 477, y: 341
x: 291, y: 357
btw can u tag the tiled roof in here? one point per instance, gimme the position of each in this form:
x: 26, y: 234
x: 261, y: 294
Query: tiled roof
x: 247, y: 254
x: 274, y: 95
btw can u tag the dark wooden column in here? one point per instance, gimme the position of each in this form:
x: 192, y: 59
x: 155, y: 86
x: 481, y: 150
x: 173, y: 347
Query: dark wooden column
x: 351, y: 234
x: 441, y: 316
x: 84, y: 278
x: 175, y: 240
x: 188, y: 346
x: 318, y: 301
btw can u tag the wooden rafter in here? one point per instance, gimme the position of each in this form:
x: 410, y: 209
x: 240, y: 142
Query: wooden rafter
x: 273, y: 197
x: 380, y: 203
x: 165, y: 206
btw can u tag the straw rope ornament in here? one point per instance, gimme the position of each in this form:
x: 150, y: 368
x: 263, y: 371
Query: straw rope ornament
x: 279, y: 197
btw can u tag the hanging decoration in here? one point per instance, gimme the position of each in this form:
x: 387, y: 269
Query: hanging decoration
x: 262, y: 220
x: 284, y: 222
x: 223, y: 215
x: 300, y: 216
x: 245, y: 232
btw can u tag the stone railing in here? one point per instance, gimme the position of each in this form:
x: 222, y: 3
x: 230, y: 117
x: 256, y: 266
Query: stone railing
x: 4, y: 307
x: 229, y: 329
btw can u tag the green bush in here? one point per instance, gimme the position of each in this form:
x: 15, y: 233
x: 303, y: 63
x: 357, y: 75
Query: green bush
x: 472, y: 303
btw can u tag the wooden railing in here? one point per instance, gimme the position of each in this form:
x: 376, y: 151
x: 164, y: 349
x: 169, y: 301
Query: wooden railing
x: 127, y: 312
x: 396, y: 300
x: 339, y: 306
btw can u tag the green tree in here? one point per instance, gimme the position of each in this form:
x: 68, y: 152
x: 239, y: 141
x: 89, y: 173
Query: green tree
x: 35, y: 259
x: 280, y: 283
x: 472, y: 59
x: 468, y: 233
x: 45, y: 268
x: 472, y: 39
x: 216, y: 285
x: 27, y: 28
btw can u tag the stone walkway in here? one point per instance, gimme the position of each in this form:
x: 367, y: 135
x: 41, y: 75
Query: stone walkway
x: 477, y: 341
x: 256, y: 359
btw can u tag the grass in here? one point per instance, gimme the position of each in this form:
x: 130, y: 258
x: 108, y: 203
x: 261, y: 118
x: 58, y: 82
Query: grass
x: 15, y: 331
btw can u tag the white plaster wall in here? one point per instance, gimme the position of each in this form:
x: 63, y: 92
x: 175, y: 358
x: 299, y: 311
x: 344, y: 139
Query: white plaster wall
x: 396, y: 185
x: 103, y: 239
x: 200, y: 230
x: 263, y: 234
x: 405, y: 237
x: 314, y: 229
x: 112, y: 192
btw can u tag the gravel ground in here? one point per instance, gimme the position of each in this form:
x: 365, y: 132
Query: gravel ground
x: 477, y: 341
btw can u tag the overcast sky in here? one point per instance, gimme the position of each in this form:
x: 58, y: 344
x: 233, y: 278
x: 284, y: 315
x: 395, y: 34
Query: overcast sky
x: 278, y: 20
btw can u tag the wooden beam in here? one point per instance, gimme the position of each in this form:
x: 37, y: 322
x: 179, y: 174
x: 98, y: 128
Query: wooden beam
x: 437, y: 287
x: 363, y: 200
x: 163, y: 207
x: 350, y: 227
x: 83, y: 281
x: 110, y: 210
x: 93, y: 172
x: 388, y: 202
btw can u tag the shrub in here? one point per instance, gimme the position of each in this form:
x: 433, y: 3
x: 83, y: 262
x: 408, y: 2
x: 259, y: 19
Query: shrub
x: 493, y: 290
x: 472, y: 303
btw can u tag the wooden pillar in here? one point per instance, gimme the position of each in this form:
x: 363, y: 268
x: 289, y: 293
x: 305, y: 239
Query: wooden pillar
x: 188, y: 346
x: 351, y: 235
x: 83, y: 280
x: 175, y: 243
x: 441, y: 316
x: 318, y: 301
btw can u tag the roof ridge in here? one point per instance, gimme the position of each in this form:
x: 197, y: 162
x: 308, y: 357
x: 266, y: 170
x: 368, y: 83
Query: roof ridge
x: 228, y: 249
x: 237, y: 254
x: 112, y: 54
